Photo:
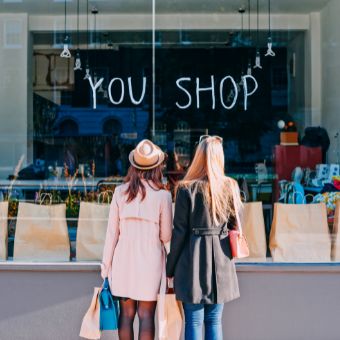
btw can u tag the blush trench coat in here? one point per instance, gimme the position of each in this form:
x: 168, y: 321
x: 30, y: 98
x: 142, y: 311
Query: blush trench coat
x: 200, y: 257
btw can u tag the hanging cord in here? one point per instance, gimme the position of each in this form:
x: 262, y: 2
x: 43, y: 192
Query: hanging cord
x: 270, y: 43
x: 241, y: 11
x: 258, y: 56
x: 65, y: 20
x: 87, y: 31
x: 257, y: 38
x: 78, y: 24
x: 242, y: 39
x: 269, y: 17
x: 249, y: 28
x: 95, y: 42
x: 65, y: 53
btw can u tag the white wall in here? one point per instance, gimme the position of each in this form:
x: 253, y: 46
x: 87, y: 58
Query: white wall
x: 296, y: 108
x: 15, y: 101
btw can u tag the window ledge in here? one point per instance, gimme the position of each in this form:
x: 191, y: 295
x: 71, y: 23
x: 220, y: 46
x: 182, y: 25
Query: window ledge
x: 332, y: 267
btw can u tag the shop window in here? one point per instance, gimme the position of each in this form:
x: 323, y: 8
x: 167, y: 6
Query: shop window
x: 59, y: 31
x: 185, y: 37
x: 66, y: 98
x: 160, y: 137
x: 68, y: 128
x: 97, y: 32
x: 12, y: 33
x: 112, y: 127
x: 158, y: 92
x: 182, y: 135
x: 279, y: 86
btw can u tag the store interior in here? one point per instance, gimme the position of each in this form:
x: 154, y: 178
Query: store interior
x: 52, y: 137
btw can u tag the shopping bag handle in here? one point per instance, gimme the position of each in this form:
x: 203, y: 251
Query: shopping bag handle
x: 237, y: 208
x: 306, y: 197
x: 43, y: 196
x: 104, y: 193
x: 245, y: 196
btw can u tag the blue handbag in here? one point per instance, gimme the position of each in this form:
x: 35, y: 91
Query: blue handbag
x: 109, y: 309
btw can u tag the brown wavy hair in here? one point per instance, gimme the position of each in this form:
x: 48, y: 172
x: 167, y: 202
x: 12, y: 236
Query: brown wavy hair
x: 134, y: 179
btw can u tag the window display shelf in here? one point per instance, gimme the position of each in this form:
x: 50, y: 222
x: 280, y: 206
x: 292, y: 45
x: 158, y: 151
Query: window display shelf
x: 268, y: 267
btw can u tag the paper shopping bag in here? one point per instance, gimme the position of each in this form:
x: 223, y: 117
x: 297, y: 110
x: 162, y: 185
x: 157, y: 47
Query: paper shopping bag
x: 41, y: 233
x: 91, y: 231
x: 253, y: 227
x: 300, y: 233
x: 90, y: 326
x: 335, y: 255
x: 173, y: 317
x: 3, y: 231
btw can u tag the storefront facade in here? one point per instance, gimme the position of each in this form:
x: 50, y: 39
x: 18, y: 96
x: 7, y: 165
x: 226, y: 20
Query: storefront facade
x: 83, y: 82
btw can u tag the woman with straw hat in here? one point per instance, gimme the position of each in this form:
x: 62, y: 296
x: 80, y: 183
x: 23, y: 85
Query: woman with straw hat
x: 140, y: 222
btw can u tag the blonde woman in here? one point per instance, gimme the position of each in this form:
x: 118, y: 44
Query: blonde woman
x: 140, y: 221
x: 200, y: 257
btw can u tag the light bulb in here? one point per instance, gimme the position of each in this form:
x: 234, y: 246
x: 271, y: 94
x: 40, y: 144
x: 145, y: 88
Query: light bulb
x: 270, y: 45
x: 78, y: 62
x: 87, y: 70
x: 257, y: 59
x: 249, y: 68
x: 65, y: 53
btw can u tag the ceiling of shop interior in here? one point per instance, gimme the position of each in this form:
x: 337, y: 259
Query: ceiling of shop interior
x: 50, y: 7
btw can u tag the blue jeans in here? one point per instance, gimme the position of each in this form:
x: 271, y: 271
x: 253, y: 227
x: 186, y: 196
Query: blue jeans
x: 196, y: 314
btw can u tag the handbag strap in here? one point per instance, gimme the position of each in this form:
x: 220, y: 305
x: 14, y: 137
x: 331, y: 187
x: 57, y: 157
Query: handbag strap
x: 236, y: 206
x: 163, y: 330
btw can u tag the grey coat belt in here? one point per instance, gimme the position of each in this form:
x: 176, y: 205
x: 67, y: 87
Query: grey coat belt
x: 208, y: 231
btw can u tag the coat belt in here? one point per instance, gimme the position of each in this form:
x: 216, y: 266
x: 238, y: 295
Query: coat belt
x: 208, y: 231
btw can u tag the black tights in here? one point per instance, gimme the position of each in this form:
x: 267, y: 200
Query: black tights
x: 146, y: 314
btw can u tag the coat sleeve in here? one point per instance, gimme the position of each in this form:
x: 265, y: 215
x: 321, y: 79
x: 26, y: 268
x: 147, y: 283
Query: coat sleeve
x: 165, y: 223
x: 112, y: 235
x: 181, y: 228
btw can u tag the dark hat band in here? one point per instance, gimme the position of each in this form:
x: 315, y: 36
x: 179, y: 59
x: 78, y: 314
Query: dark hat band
x: 145, y: 166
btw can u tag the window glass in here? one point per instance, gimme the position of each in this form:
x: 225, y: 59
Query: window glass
x: 280, y: 139
x: 77, y: 96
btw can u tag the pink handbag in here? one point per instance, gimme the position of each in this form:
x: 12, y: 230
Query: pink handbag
x: 238, y: 241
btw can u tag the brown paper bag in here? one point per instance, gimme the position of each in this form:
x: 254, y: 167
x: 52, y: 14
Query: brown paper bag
x: 91, y: 231
x: 300, y: 233
x: 3, y: 231
x: 335, y: 255
x: 41, y: 233
x: 173, y: 317
x: 90, y: 327
x: 253, y: 227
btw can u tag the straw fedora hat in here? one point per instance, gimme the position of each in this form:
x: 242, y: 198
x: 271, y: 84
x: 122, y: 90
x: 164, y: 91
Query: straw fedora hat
x: 147, y: 155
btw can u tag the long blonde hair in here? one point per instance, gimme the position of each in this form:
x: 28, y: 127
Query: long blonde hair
x: 207, y: 170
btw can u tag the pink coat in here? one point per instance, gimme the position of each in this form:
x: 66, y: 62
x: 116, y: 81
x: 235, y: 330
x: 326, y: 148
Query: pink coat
x: 132, y: 258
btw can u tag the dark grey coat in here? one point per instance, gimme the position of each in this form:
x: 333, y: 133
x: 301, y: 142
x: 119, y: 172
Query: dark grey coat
x: 201, y: 263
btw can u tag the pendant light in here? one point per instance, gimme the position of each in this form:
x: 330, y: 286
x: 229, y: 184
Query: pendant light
x: 241, y: 11
x: 95, y: 12
x: 65, y: 53
x: 87, y: 69
x: 258, y: 56
x: 232, y: 93
x: 249, y: 70
x: 105, y: 35
x: 270, y: 52
x: 77, y: 65
x: 101, y: 84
